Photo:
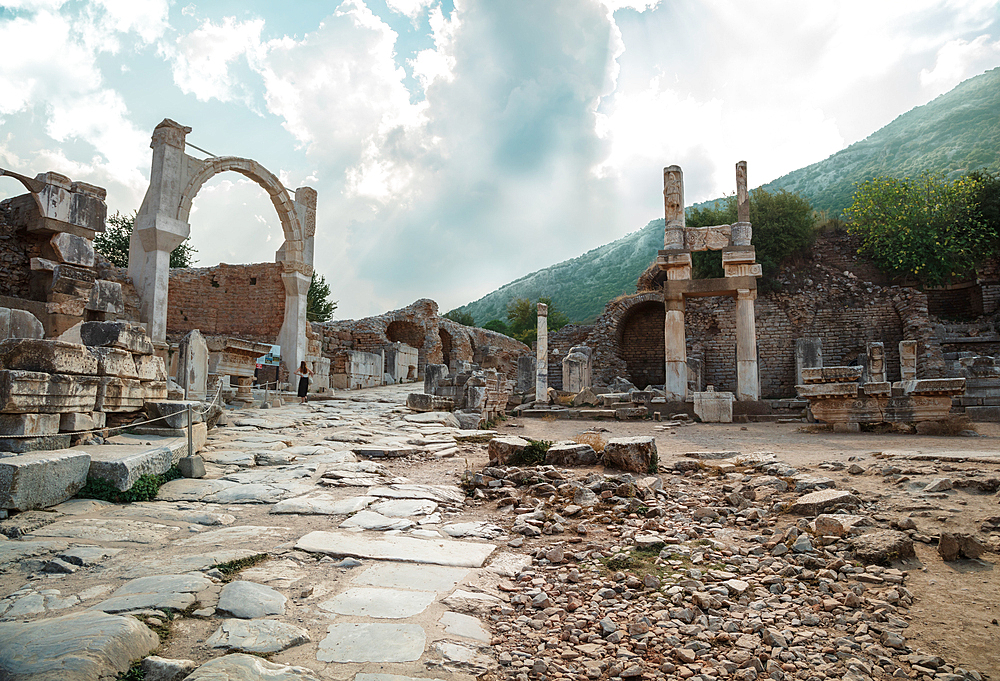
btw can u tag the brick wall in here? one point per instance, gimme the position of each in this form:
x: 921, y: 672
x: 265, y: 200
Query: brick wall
x: 15, y: 266
x: 245, y: 301
x: 642, y: 344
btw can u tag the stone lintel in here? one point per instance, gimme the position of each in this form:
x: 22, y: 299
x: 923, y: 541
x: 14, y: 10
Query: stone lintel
x: 694, y: 288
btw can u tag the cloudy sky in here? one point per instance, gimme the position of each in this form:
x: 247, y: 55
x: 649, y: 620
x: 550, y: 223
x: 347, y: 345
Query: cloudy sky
x: 459, y: 144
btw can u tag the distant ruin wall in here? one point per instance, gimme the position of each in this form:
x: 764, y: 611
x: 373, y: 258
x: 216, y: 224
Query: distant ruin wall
x: 244, y: 301
x: 419, y: 326
x: 15, y: 265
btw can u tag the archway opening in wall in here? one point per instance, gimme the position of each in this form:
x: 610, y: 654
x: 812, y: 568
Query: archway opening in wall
x: 405, y: 332
x: 641, y: 343
x: 446, y: 347
x: 233, y: 221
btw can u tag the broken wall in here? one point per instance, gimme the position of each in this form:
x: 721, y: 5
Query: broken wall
x: 242, y: 301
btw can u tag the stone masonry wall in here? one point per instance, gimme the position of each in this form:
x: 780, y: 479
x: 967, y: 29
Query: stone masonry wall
x: 15, y: 266
x: 244, y: 301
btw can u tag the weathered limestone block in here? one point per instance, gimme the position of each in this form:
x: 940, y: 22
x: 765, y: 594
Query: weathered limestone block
x: 123, y: 469
x: 822, y: 501
x: 636, y: 454
x: 23, y: 324
x: 72, y: 281
x: 73, y: 249
x: 115, y: 362
x: 423, y: 402
x: 244, y: 667
x: 501, y: 449
x: 839, y: 525
x: 933, y: 386
x: 150, y: 368
x: 433, y: 374
x: 526, y: 374
x: 119, y: 394
x: 173, y: 413
x: 907, y: 360
x: 882, y: 547
x: 36, y: 392
x: 808, y: 355
x: 713, y: 407
x: 41, y: 479
x: 76, y: 422
x: 163, y: 669
x: 830, y: 374
x: 192, y: 365
x: 29, y: 424
x: 81, y: 646
x: 570, y: 454
x: 119, y: 334
x: 154, y: 390
x: 880, y: 389
x: 106, y: 296
x: 576, y: 368
x: 47, y: 356
x: 821, y: 391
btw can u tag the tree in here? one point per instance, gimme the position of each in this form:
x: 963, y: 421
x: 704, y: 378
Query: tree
x: 459, y: 317
x: 522, y: 319
x: 497, y: 325
x: 113, y: 243
x: 783, y: 223
x: 319, y: 307
x: 927, y: 227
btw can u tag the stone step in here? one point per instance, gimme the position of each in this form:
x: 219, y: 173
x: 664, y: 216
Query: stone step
x: 402, y: 549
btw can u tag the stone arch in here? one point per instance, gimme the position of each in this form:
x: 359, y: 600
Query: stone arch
x: 640, y: 343
x: 283, y: 202
x: 33, y: 187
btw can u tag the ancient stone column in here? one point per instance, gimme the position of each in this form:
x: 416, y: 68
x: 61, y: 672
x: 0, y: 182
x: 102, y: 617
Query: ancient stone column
x: 673, y: 208
x: 542, y: 354
x: 676, y: 349
x: 742, y: 232
x: 292, y: 336
x: 747, y: 381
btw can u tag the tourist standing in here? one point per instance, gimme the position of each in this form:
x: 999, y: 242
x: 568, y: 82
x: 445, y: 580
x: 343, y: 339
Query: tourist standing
x: 303, y: 372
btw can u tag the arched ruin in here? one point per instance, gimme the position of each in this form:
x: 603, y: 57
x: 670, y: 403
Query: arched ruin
x: 640, y: 342
x: 162, y: 224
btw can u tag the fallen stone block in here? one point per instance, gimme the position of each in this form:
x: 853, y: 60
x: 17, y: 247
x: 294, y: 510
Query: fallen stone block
x: 154, y: 390
x: 163, y: 669
x: 714, y: 407
x: 882, y: 547
x: 150, y: 368
x: 570, y: 454
x: 244, y: 667
x: 955, y: 545
x: 40, y: 443
x: 173, y: 413
x: 106, y: 296
x: 76, y: 421
x: 47, y: 356
x: 118, y: 335
x: 502, y: 449
x: 41, y: 479
x: 29, y: 424
x: 635, y: 454
x: 119, y: 394
x: 257, y: 636
x: 72, y: 249
x: 822, y: 501
x: 83, y: 645
x: 838, y: 525
x: 831, y: 374
x: 32, y: 391
x: 623, y: 413
x: 19, y: 324
x: 123, y: 470
x: 114, y: 362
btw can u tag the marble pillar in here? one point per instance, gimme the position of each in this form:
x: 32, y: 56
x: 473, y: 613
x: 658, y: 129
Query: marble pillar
x: 542, y: 354
x: 292, y: 335
x: 676, y: 349
x: 747, y: 380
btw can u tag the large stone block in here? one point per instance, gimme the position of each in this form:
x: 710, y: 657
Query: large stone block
x: 106, y: 296
x: 115, y: 362
x: 122, y: 335
x: 808, y: 355
x: 192, y: 365
x: 77, y: 647
x: 150, y: 368
x: 47, y: 356
x: 42, y: 479
x: 154, y: 390
x: 38, y: 443
x: 23, y: 324
x: 830, y: 374
x: 827, y: 390
x: 73, y: 281
x: 502, y: 449
x: 173, y: 413
x: 29, y: 424
x: 636, y: 454
x: 932, y: 386
x: 713, y: 407
x: 123, y: 469
x: 119, y: 394
x: 36, y: 392
x: 570, y: 454
x: 76, y: 422
x: 72, y: 249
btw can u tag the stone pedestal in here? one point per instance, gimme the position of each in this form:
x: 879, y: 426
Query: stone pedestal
x: 576, y: 366
x: 542, y: 353
x: 244, y: 386
x: 747, y: 380
x: 713, y: 407
x: 876, y: 363
x: 676, y: 350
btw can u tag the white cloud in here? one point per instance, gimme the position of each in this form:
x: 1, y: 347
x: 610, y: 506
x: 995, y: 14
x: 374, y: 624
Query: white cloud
x: 411, y: 8
x: 958, y: 60
x: 203, y: 58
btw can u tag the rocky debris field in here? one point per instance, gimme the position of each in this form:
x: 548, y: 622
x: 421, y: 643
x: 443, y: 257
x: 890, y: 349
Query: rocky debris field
x: 352, y: 538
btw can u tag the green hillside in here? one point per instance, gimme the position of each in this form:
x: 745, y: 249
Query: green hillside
x: 957, y: 132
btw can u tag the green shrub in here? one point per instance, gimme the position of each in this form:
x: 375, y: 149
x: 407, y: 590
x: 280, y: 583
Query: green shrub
x: 144, y: 489
x: 532, y: 455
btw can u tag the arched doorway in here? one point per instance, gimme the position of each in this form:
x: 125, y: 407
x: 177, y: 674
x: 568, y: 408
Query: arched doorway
x: 640, y: 334
x: 446, y: 347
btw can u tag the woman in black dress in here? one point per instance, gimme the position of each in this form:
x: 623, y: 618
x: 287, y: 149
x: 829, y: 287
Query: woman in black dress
x: 303, y: 372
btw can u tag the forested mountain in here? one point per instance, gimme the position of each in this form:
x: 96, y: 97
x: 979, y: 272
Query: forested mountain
x: 955, y: 133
